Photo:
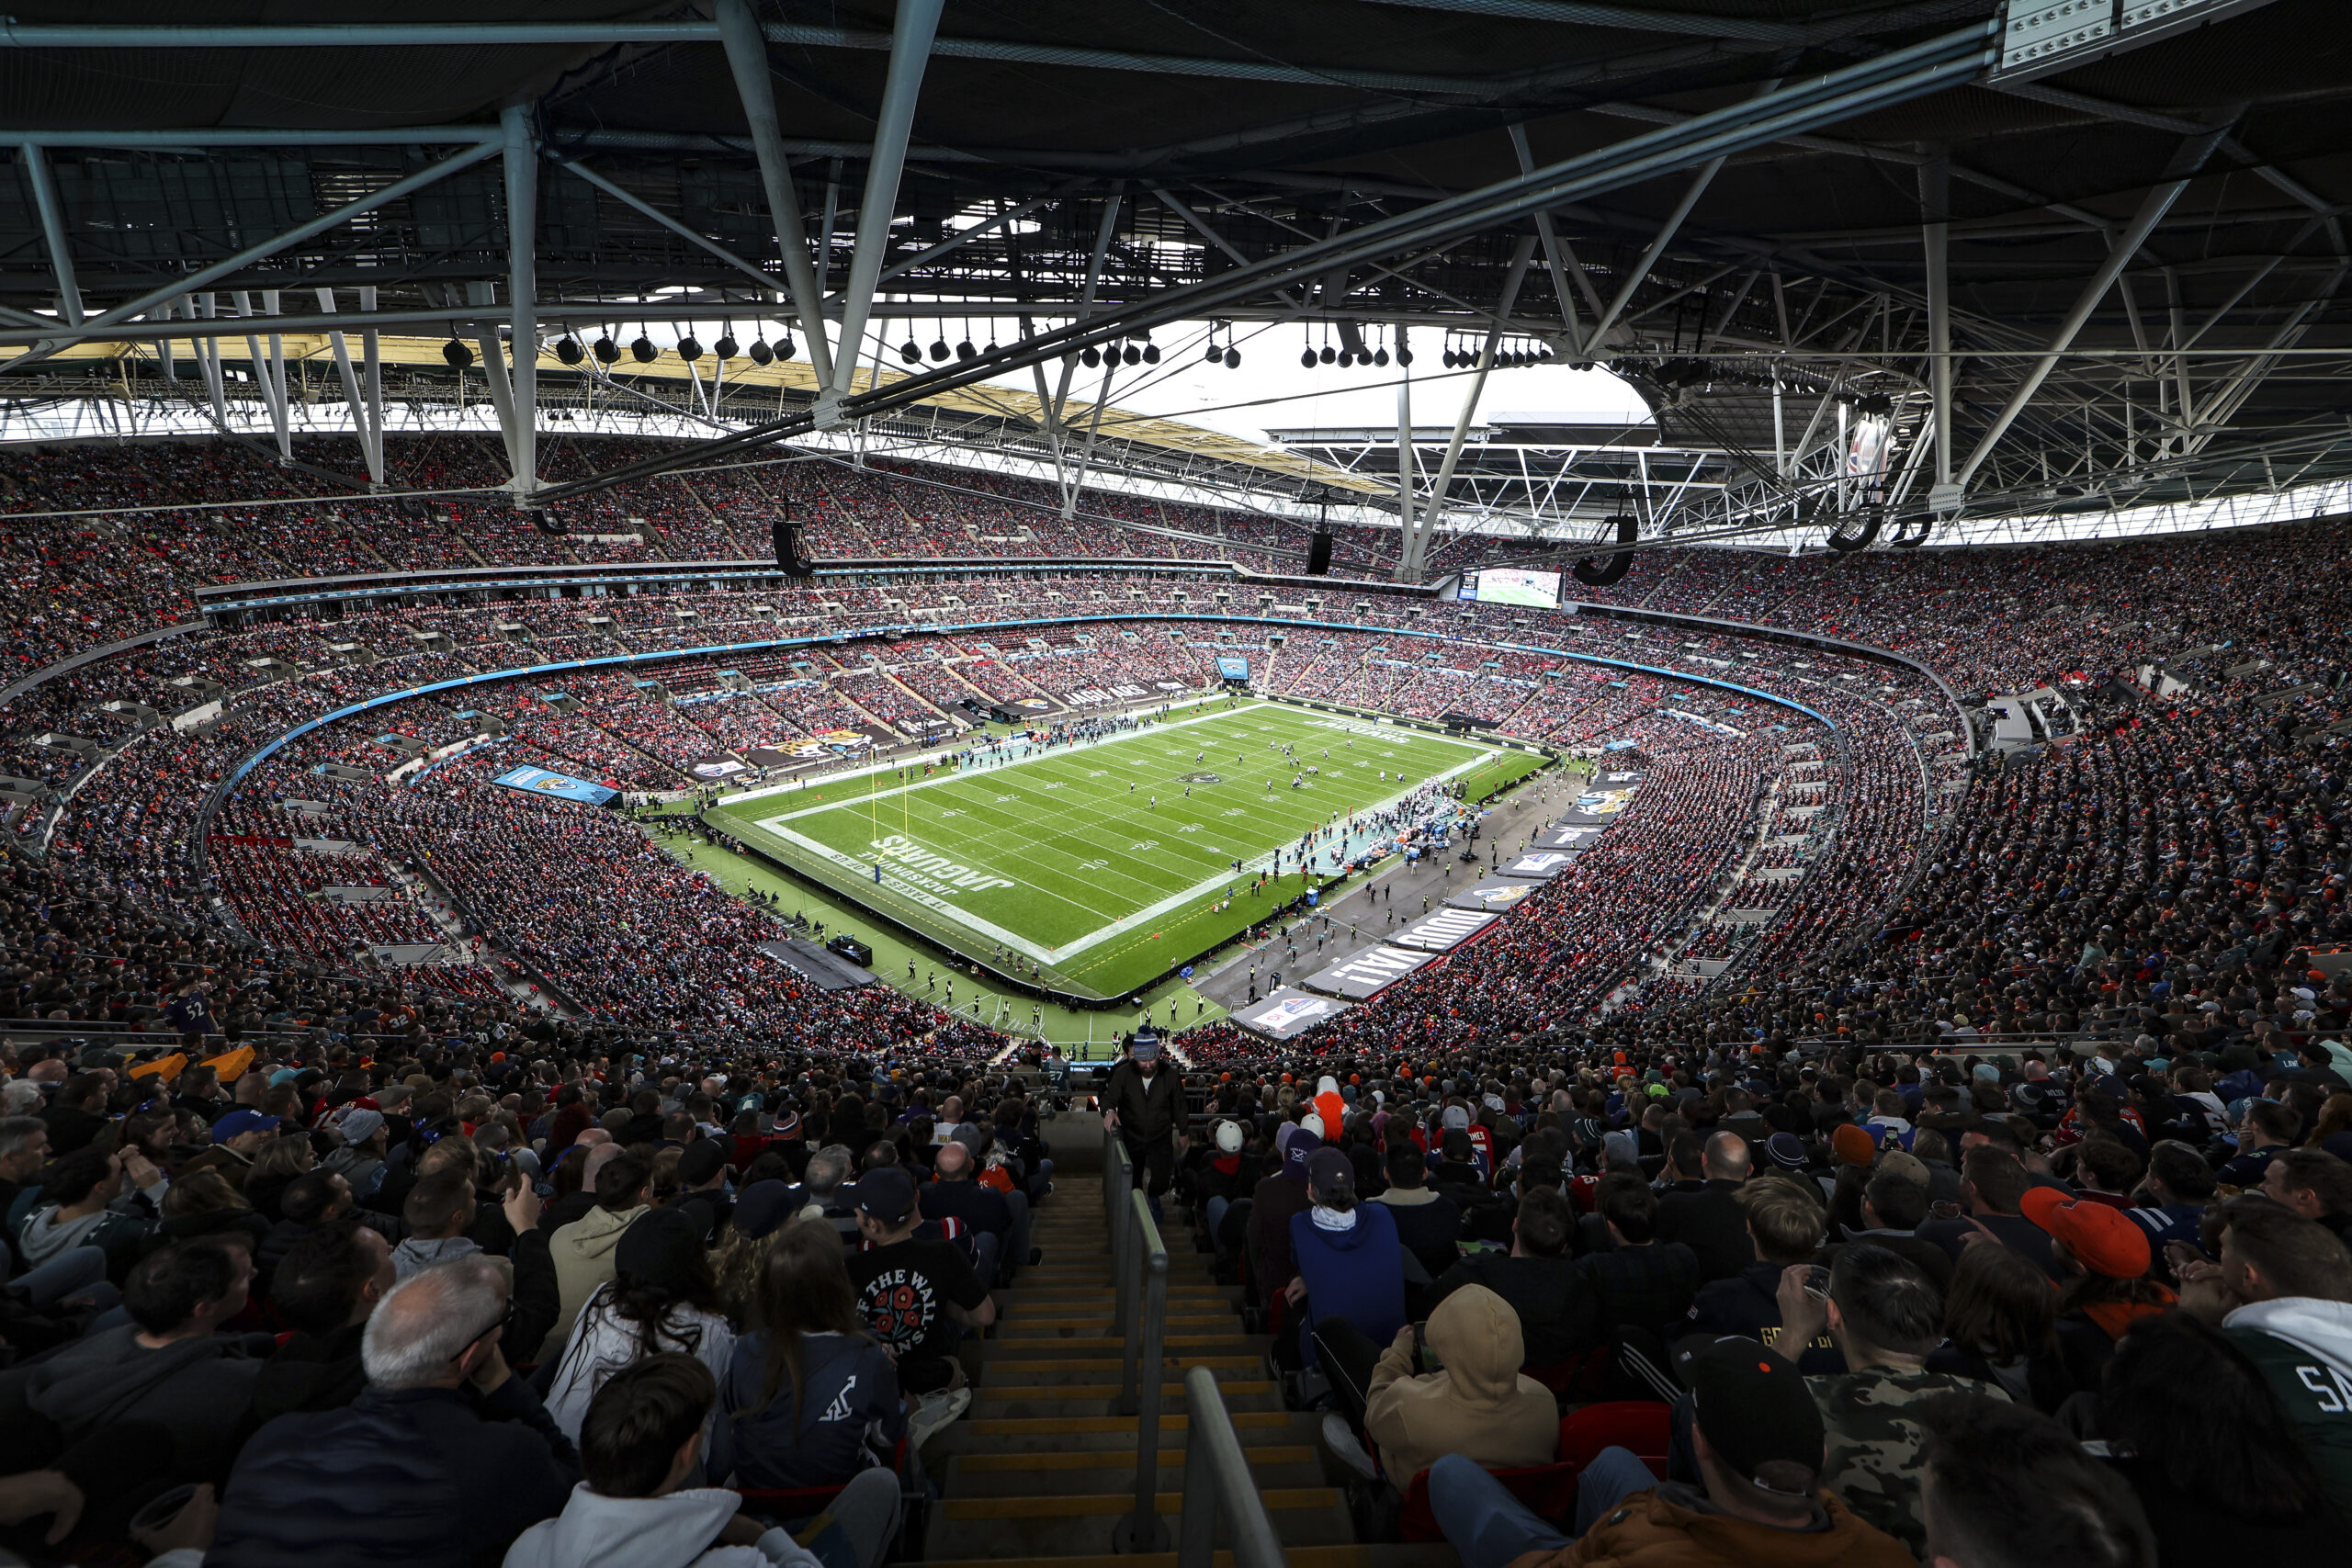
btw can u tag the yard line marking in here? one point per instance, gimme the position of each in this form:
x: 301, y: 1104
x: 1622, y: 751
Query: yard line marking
x: 1059, y: 955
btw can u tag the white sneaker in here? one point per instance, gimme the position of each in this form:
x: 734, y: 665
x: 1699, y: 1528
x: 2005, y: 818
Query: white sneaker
x: 1340, y: 1438
x: 934, y: 1412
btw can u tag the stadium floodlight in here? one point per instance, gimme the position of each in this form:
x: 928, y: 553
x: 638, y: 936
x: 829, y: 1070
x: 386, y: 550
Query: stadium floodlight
x: 1216, y: 355
x: 689, y: 348
x: 643, y: 350
x: 911, y: 352
x: 1090, y: 356
x: 2039, y: 38
x: 785, y: 348
x: 1307, y: 358
x: 939, y: 349
x: 760, y: 352
x: 1151, y: 353
x: 964, y: 350
x: 1232, y: 357
x: 605, y: 350
x: 1404, y: 355
x: 456, y: 352
x: 1380, y: 357
x: 1328, y: 354
x: 727, y: 347
x: 568, y: 349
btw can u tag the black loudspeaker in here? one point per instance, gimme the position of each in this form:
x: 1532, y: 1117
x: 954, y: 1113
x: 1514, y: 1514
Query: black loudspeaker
x: 1318, y: 554
x: 787, y: 549
x: 1616, y: 564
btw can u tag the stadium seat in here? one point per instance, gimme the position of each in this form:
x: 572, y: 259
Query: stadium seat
x: 1579, y: 1375
x: 784, y: 1502
x: 1645, y: 1427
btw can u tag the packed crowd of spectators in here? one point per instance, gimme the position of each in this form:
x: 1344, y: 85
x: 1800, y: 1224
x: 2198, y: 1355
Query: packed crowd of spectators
x: 1823, y: 1306
x: 1888, y: 784
x: 2153, y: 906
x: 265, y: 1300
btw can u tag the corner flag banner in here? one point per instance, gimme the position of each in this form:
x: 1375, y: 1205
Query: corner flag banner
x: 1288, y: 1012
x: 1495, y: 894
x: 539, y: 780
x: 1442, y: 930
x: 1540, y: 866
x: 1368, y: 972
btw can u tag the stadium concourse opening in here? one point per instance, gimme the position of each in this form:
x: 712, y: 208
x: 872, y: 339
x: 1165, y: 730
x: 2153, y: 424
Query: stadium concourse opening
x: 1093, y: 859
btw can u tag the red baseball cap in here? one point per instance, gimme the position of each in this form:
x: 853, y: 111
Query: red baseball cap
x: 2101, y: 1237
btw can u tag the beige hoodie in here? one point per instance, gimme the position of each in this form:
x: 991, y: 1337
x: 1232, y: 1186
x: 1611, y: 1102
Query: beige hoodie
x: 583, y: 1251
x: 1479, y: 1406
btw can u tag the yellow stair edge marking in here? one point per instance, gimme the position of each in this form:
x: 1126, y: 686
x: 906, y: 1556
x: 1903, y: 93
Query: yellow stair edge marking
x: 1073, y: 1299
x: 1236, y: 1339
x: 1300, y: 1557
x: 1113, y: 1363
x: 1116, y: 1459
x: 1068, y: 1425
x: 1276, y: 1499
x: 1095, y: 1321
x: 1105, y: 1390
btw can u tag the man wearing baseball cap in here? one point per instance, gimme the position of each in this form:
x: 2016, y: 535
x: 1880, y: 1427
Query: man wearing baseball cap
x: 1144, y: 1103
x: 1758, y: 1437
x: 2103, y: 1260
x: 917, y: 1296
x: 236, y: 1138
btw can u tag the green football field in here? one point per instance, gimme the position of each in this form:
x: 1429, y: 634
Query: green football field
x: 1093, y: 860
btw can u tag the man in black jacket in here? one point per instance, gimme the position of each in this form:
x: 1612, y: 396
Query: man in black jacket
x: 78, y: 1114
x: 1428, y: 1223
x: 442, y: 1463
x: 1144, y: 1103
x: 1786, y: 1228
x: 1640, y: 1282
x: 1558, y: 1314
x: 326, y: 1286
x: 1705, y: 1214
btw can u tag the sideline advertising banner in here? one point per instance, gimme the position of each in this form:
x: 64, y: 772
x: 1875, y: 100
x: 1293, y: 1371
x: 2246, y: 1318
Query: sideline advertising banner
x: 1442, y: 930
x: 1368, y: 972
x: 1287, y: 1013
x: 1496, y: 895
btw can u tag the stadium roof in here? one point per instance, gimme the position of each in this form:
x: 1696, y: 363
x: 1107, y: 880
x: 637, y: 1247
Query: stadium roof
x: 1738, y: 204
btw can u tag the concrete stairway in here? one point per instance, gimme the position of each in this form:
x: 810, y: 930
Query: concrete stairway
x: 1041, y: 1467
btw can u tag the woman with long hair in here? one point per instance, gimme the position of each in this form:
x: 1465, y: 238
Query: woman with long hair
x: 809, y: 1399
x: 279, y: 1163
x: 202, y: 1204
x: 2213, y: 1453
x: 663, y: 1296
x: 2001, y: 1326
x: 2333, y: 1132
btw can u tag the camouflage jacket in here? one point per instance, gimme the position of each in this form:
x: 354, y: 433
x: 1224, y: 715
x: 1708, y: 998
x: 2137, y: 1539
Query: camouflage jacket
x: 1874, y: 1439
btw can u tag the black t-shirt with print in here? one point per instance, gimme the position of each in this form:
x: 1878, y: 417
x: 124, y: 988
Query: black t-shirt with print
x: 903, y: 1292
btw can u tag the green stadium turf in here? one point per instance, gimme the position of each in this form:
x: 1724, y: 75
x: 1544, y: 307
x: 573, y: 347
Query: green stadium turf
x: 1063, y: 858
